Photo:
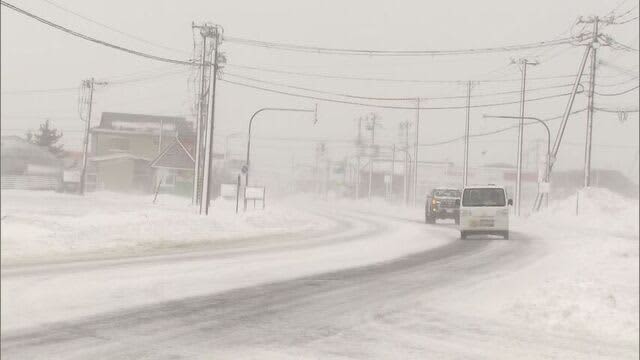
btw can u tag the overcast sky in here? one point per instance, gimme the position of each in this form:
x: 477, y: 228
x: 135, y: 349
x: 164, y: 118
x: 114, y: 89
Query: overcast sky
x: 35, y: 57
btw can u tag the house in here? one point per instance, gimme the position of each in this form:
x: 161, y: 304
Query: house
x: 123, y: 147
x: 174, y: 168
x: 28, y: 166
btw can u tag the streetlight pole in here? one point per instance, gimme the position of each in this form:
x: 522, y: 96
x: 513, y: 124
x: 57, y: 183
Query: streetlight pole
x: 546, y: 127
x: 246, y: 175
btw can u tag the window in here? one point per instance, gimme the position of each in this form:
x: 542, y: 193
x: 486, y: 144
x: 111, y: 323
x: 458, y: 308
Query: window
x: 446, y: 193
x: 169, y: 180
x: 119, y: 144
x: 483, y: 197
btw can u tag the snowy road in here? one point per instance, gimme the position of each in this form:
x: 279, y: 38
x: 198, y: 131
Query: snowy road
x: 345, y: 294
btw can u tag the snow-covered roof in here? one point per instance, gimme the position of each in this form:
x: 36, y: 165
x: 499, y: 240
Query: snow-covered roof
x: 115, y: 156
x: 141, y: 123
x: 175, y: 156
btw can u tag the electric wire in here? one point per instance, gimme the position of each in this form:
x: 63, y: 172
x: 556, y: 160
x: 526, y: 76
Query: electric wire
x: 493, y: 132
x: 369, y: 52
x: 94, y: 40
x: 112, y: 28
x: 382, y: 79
x: 618, y: 93
x: 408, y: 98
x: 398, y: 107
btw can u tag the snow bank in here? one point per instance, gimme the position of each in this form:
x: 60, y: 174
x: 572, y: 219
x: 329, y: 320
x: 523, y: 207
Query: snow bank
x: 38, y: 225
x: 594, y: 209
x: 584, y: 277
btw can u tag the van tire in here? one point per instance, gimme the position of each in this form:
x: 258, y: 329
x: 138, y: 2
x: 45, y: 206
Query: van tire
x: 463, y: 235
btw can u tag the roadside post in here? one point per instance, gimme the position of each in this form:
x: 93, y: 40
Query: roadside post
x: 237, y: 193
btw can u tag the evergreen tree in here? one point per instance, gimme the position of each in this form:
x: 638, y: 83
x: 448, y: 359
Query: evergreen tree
x: 46, y: 136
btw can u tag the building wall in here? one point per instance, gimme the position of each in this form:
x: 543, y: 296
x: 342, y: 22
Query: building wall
x: 115, y: 175
x: 144, y: 145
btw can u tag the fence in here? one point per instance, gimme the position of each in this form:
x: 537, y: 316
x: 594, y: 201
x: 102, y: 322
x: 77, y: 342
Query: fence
x: 29, y: 182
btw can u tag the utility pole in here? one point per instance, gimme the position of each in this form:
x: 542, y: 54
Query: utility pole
x: 87, y: 84
x: 358, y: 150
x: 592, y: 84
x: 415, y: 155
x: 200, y: 117
x: 372, y: 147
x: 523, y: 63
x: 214, y: 33
x: 393, y: 171
x: 465, y: 169
x: 405, y: 179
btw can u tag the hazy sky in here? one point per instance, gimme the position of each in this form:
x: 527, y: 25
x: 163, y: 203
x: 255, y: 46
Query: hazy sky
x: 36, y: 57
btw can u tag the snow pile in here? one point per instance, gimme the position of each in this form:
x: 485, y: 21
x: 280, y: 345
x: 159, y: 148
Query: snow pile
x: 39, y: 225
x: 594, y: 209
x: 589, y: 279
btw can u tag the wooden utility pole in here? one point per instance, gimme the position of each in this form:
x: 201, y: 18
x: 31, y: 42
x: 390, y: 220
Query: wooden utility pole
x: 214, y: 33
x: 465, y: 168
x: 200, y: 117
x: 90, y: 85
x: 415, y: 154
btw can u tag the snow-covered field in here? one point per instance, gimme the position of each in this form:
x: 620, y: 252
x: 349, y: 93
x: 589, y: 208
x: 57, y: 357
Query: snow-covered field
x: 582, y: 274
x: 583, y: 278
x: 563, y: 278
x: 47, y: 226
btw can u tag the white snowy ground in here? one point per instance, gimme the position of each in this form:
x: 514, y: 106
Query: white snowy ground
x: 584, y: 278
x: 579, y: 275
x: 42, y: 226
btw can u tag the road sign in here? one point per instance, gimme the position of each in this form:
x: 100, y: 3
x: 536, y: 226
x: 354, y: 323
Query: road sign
x: 244, y: 169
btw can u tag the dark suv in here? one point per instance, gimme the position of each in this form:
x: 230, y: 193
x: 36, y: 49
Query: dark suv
x: 441, y: 204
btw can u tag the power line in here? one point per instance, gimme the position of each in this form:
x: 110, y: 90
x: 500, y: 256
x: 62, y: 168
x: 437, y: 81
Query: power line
x: 419, y: 81
x: 111, y: 82
x: 496, y: 131
x: 627, y: 21
x: 368, y: 52
x: 616, y: 110
x: 92, y: 39
x: 387, y: 98
x: 112, y: 28
x: 616, y: 94
x: 398, y: 107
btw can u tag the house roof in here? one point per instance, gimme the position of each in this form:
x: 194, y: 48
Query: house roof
x: 114, y: 156
x: 175, y: 156
x: 142, y: 123
x: 18, y: 148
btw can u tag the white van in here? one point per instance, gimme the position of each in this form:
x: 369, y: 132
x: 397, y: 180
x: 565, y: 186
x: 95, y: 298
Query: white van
x: 484, y: 210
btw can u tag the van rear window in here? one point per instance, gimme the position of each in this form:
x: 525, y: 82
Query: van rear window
x: 483, y: 197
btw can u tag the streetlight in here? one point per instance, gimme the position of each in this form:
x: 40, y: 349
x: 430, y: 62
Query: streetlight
x: 246, y: 175
x: 546, y: 127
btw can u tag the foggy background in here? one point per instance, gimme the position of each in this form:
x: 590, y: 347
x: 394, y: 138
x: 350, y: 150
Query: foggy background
x: 42, y: 69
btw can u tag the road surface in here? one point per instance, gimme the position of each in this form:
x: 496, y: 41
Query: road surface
x: 304, y: 296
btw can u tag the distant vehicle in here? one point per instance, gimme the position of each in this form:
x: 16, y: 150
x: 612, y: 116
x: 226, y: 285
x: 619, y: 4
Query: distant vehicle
x: 484, y: 210
x: 442, y: 203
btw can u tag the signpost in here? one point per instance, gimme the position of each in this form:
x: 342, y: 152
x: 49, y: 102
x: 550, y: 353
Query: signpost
x: 254, y: 193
